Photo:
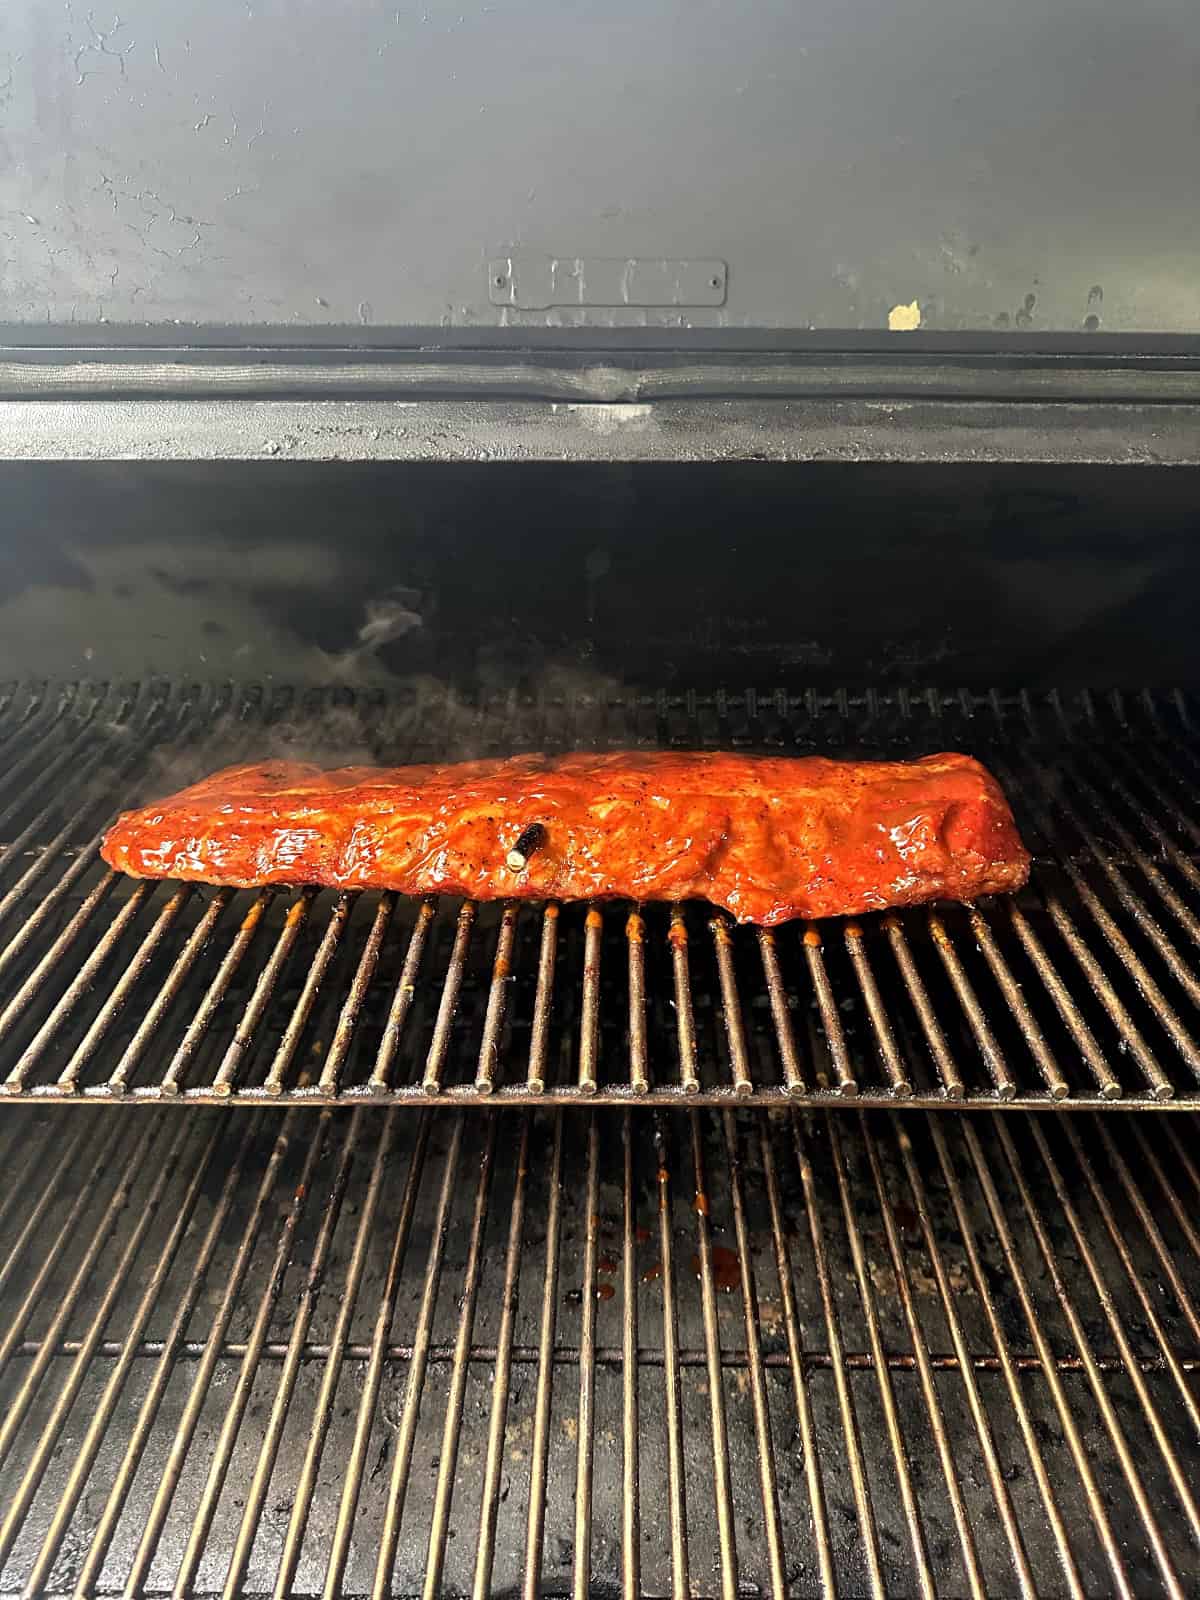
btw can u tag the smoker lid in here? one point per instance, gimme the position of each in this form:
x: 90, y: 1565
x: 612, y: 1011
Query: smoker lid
x: 451, y: 169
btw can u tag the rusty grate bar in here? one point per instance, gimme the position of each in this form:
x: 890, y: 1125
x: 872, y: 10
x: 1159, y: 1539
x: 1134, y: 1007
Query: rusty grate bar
x: 1081, y: 993
x: 536, y: 1352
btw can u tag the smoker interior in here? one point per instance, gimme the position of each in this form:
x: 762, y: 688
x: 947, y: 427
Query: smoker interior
x: 502, y: 575
x: 531, y: 1352
x: 361, y: 1246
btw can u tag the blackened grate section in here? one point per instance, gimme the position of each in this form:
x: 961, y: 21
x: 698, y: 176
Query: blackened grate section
x: 1083, y: 991
x: 379, y: 1352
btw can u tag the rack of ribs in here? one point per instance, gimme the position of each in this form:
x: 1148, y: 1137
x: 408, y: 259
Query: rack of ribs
x: 767, y: 838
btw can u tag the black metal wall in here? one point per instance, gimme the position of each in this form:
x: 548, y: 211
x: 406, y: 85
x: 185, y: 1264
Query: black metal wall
x: 579, y: 577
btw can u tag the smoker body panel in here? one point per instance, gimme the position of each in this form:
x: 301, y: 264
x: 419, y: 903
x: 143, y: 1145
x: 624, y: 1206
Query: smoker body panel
x: 365, y: 172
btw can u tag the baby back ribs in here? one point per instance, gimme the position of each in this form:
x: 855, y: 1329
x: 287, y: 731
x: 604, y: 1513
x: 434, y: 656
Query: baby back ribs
x: 767, y: 838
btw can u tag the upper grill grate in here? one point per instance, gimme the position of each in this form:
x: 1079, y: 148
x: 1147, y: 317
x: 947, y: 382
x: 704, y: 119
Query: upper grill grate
x: 1082, y: 991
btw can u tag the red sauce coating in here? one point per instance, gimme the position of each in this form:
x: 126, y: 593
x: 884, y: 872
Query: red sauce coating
x: 765, y: 837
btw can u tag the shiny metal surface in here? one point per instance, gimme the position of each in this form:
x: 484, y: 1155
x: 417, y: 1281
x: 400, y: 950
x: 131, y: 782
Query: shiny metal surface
x: 1080, y: 992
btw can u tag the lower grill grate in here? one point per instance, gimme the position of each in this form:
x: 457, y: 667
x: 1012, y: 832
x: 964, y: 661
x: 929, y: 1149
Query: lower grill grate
x: 1083, y: 991
x: 378, y: 1352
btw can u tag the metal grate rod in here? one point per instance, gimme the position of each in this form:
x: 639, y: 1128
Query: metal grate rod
x: 50, y: 962
x: 1106, y: 1080
x: 27, y: 714
x: 168, y: 993
x: 1180, y: 817
x: 489, y: 1504
x: 41, y: 913
x: 293, y: 925
x: 1102, y: 769
x: 831, y: 1021
x: 589, y: 1011
x: 1133, y: 1477
x: 535, y: 1080
x: 722, y: 1486
x: 22, y: 1183
x: 685, y: 1025
x: 1003, y: 1350
x: 677, y: 1503
x: 236, y: 1409
x: 79, y: 986
x: 581, y: 1553
x: 885, y: 1038
x: 1169, y: 897
x: 202, y: 1379
x: 89, y: 1574
x: 731, y: 1008
x: 122, y: 990
x: 978, y: 1410
x: 1100, y: 1199
x: 343, y: 1033
x: 175, y: 1075
x: 607, y: 1355
x: 323, y: 1409
x: 488, y: 1064
x: 66, y: 727
x: 318, y: 969
x: 406, y: 1433
x: 1019, y: 1006
x: 1133, y: 903
x: 768, y: 1486
x: 864, y: 1505
x: 1105, y: 1297
x: 306, y: 1305
x: 933, y: 1407
x: 83, y: 777
x: 798, y: 1366
x: 1181, y: 1214
x: 539, y: 1453
x: 1121, y: 948
x: 951, y: 1078
x: 631, y: 1532
x: 635, y: 940
x: 1050, y: 1455
x: 985, y: 1039
x: 52, y: 1427
x: 439, y: 1522
x: 373, y: 1377
x: 780, y: 1014
x: 887, y: 1396
x: 1186, y: 1161
x: 1070, y: 1429
x: 20, y: 1404
x: 448, y: 1005
x: 402, y: 998
x: 10, y: 1142
x: 1161, y: 1087
x: 84, y: 1200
